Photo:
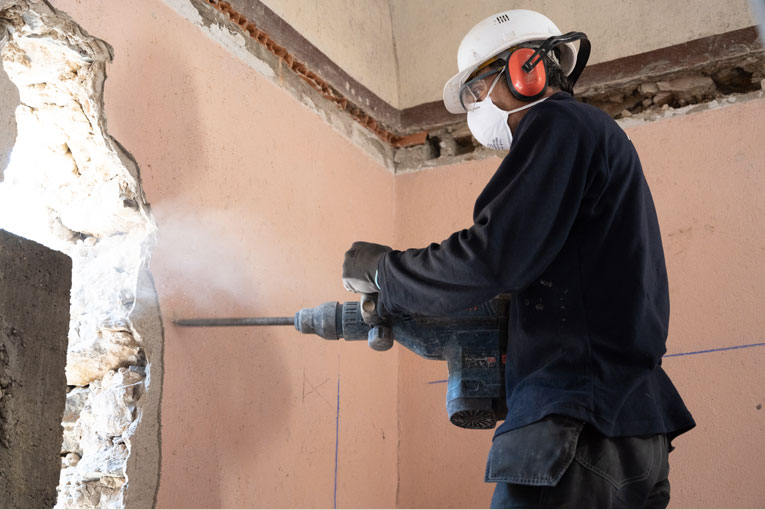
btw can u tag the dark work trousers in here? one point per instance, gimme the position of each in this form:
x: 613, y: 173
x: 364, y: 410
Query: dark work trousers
x: 560, y: 462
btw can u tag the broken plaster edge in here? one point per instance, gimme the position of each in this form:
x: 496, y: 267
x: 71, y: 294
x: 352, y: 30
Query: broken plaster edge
x: 269, y: 66
x: 716, y: 104
x: 626, y: 123
x: 390, y: 158
x: 144, y: 464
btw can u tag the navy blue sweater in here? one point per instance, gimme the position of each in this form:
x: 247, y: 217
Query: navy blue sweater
x: 568, y: 225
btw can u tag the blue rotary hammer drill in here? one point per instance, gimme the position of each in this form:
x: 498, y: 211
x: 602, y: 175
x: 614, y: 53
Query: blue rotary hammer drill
x: 473, y: 343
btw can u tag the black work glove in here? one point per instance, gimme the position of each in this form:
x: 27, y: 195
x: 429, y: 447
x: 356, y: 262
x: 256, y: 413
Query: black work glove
x: 360, y: 267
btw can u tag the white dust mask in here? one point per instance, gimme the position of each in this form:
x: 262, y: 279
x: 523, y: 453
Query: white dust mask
x: 488, y: 122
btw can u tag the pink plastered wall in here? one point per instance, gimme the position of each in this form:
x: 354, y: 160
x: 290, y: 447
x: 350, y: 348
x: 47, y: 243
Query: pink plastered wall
x: 257, y: 199
x: 707, y: 174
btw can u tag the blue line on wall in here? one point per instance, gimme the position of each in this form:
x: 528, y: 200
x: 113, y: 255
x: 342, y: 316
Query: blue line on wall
x: 337, y: 438
x: 719, y: 349
x: 714, y: 350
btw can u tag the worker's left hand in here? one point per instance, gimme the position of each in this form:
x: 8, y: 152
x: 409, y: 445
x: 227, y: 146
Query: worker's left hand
x: 360, y: 267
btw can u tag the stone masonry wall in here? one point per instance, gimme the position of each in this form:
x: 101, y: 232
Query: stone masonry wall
x: 70, y: 186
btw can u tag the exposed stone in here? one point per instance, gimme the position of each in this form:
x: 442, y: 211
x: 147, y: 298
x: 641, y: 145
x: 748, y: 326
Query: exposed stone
x: 693, y: 87
x: 75, y: 401
x: 105, y: 425
x: 71, y: 440
x: 648, y: 88
x: 108, y: 460
x: 407, y: 154
x: 664, y: 86
x: 109, y: 350
x: 662, y: 98
x: 616, y: 98
x: 447, y: 146
x: 70, y: 460
x: 72, y: 187
x: 110, y: 410
x: 105, y: 492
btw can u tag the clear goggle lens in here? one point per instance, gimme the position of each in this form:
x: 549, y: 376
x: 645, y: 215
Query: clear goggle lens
x: 478, y: 88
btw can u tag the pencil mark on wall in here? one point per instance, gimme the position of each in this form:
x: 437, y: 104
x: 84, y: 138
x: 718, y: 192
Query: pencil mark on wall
x: 314, y: 389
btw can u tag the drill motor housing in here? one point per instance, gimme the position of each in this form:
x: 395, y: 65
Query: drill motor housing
x: 473, y: 342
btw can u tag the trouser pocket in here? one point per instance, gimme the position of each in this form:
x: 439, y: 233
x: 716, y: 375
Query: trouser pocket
x: 537, y: 454
x: 619, y: 460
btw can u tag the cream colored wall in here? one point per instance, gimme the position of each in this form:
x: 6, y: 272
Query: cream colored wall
x: 256, y: 200
x: 405, y: 50
x: 356, y: 35
x: 427, y: 33
x: 707, y: 174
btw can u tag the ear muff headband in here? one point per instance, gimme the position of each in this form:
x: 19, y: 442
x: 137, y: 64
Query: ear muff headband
x: 528, y: 81
x: 581, y: 59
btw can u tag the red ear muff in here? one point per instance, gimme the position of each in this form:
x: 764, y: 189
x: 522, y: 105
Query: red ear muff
x: 525, y: 86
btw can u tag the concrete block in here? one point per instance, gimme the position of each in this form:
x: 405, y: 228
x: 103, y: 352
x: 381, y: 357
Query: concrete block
x: 35, y: 283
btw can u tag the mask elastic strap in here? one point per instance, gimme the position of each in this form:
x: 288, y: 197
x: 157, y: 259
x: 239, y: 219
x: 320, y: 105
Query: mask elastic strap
x: 527, y: 106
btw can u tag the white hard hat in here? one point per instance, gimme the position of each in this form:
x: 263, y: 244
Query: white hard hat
x: 496, y: 34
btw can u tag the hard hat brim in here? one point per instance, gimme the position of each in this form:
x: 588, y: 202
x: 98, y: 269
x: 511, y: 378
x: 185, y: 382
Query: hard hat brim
x: 452, y: 90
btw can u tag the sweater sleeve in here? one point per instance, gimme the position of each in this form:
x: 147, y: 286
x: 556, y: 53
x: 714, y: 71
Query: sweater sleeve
x: 521, y: 221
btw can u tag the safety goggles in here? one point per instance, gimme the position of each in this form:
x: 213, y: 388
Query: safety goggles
x: 479, y: 87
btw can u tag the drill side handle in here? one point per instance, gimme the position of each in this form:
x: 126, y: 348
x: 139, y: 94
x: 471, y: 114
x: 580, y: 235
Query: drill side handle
x: 381, y: 335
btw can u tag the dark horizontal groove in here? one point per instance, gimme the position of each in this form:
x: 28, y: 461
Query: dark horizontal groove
x: 394, y: 125
x: 642, y: 66
x: 283, y: 33
x: 688, y: 55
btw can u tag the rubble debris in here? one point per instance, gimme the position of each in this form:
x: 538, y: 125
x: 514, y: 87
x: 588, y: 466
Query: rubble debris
x: 88, y: 204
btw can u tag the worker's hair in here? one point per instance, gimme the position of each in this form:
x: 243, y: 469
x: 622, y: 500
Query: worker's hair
x: 555, y: 77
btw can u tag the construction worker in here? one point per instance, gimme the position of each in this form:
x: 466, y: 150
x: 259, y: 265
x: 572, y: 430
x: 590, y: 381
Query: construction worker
x: 568, y: 226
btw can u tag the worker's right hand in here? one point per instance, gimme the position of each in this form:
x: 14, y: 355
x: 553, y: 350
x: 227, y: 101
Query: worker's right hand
x: 360, y: 267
